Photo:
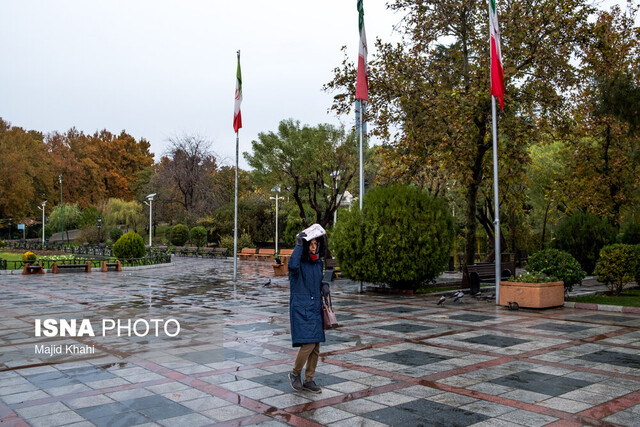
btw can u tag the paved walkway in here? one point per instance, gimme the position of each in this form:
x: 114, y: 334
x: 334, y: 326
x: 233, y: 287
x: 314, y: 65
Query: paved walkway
x: 395, y: 360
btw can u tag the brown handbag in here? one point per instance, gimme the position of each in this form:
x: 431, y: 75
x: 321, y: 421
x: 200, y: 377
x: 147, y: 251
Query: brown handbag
x: 329, y: 320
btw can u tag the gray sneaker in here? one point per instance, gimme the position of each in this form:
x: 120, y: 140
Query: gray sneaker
x: 295, y: 381
x: 311, y: 386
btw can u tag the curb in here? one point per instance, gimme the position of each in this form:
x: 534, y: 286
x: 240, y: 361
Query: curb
x: 48, y: 270
x: 602, y: 307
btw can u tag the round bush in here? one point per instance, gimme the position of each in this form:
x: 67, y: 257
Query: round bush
x: 559, y: 265
x: 115, y: 234
x: 130, y: 245
x: 617, y: 266
x: 198, y: 236
x: 583, y: 235
x: 402, y: 237
x: 2, y: 244
x: 179, y: 235
x: 29, y: 257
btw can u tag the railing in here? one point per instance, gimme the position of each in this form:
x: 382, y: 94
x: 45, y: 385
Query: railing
x: 97, y: 263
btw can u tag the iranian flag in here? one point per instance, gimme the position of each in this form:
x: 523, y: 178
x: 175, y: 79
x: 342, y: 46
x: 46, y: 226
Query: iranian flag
x: 362, y: 85
x: 497, y: 77
x: 237, y: 116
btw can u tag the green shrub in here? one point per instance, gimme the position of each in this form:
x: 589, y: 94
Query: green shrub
x: 179, y: 235
x: 631, y: 234
x: 533, y: 277
x: 29, y: 257
x: 583, y: 235
x: 402, y: 237
x: 244, y: 241
x: 130, y: 245
x: 114, y: 234
x: 617, y: 266
x: 2, y: 244
x: 198, y: 236
x: 559, y: 265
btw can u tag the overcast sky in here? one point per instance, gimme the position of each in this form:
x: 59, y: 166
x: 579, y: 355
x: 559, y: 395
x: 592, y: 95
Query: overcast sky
x: 163, y: 68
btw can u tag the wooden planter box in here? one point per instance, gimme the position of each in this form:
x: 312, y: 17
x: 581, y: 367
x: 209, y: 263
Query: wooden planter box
x: 532, y: 295
x: 279, y: 269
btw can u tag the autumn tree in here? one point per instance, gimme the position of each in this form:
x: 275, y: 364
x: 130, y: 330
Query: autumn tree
x: 26, y: 178
x: 429, y: 95
x: 314, y: 164
x: 603, y: 147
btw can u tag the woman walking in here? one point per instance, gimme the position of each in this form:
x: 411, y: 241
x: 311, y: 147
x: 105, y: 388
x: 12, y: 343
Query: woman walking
x: 305, y: 309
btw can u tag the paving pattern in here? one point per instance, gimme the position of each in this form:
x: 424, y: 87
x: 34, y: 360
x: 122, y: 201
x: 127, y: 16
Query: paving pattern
x: 395, y: 360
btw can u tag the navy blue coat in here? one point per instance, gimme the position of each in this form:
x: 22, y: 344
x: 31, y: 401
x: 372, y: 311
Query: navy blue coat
x: 305, y: 301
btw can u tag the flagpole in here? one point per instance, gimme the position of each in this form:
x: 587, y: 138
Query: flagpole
x: 361, y: 159
x: 235, y: 216
x: 235, y: 203
x: 496, y: 204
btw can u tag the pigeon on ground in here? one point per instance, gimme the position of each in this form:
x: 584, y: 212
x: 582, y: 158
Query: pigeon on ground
x: 442, y: 299
x: 478, y: 295
x: 267, y: 284
x: 513, y: 306
x: 458, y: 296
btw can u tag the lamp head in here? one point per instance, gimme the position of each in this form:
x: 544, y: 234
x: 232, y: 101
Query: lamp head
x: 151, y: 196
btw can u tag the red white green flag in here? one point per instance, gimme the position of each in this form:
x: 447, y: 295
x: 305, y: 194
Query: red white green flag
x: 497, y: 76
x: 237, y: 116
x: 362, y: 84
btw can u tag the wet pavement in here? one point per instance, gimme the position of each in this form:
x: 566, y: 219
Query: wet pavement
x: 395, y: 360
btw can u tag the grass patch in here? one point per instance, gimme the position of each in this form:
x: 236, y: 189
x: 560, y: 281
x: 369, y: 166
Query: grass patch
x: 628, y: 298
x: 10, y: 256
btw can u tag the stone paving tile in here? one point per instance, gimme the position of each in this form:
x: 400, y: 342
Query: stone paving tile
x: 359, y: 406
x: 58, y: 419
x: 232, y: 336
x: 226, y: 413
x: 40, y: 410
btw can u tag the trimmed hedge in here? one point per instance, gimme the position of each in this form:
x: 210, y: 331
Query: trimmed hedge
x: 130, y: 245
x: 617, y: 266
x: 179, y: 235
x: 557, y: 264
x: 198, y: 236
x: 402, y: 237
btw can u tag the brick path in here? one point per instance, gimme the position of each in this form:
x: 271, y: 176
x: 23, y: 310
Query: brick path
x: 394, y: 361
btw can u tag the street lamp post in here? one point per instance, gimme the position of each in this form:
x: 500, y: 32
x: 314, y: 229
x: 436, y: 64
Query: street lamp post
x: 277, y: 191
x: 150, y: 204
x: 10, y: 219
x: 99, y: 227
x: 42, y: 209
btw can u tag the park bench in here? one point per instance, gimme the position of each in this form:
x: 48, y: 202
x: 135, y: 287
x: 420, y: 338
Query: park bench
x: 284, y: 255
x: 485, y: 272
x: 265, y: 254
x: 332, y: 265
x: 86, y: 266
x: 206, y: 252
x: 247, y: 254
x: 33, y: 269
x: 220, y: 251
x: 179, y: 250
x: 115, y: 266
x: 162, y: 248
x: 190, y: 250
